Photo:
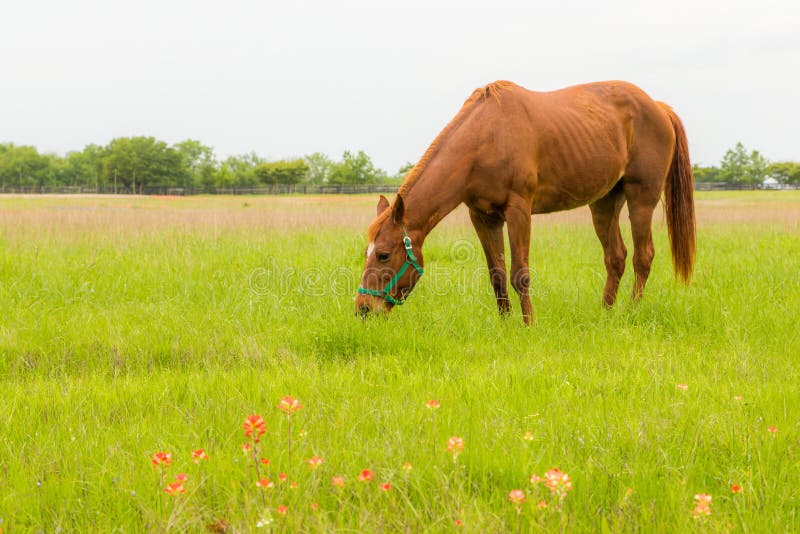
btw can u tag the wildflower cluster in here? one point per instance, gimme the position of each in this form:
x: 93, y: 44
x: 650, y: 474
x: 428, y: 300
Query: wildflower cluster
x: 162, y: 460
x: 702, y: 505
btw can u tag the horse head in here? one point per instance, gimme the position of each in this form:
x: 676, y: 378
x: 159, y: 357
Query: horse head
x: 393, y: 261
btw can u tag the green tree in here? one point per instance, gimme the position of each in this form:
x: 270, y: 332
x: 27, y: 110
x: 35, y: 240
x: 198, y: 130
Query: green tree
x: 199, y: 164
x: 24, y: 166
x: 238, y: 170
x: 355, y: 169
x: 83, y: 167
x: 319, y: 168
x: 281, y: 172
x: 740, y: 167
x: 706, y: 174
x: 139, y: 162
x: 785, y: 172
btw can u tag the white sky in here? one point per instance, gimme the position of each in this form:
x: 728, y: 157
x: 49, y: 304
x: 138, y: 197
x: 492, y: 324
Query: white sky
x: 290, y: 78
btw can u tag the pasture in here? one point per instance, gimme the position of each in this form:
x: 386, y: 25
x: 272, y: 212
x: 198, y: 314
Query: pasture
x: 130, y: 326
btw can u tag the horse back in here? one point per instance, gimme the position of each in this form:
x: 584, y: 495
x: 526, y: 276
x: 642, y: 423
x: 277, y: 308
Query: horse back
x: 567, y: 148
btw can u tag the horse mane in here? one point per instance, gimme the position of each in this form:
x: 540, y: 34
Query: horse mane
x: 480, y: 94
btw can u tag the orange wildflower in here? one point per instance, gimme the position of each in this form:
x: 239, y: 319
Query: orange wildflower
x: 254, y: 426
x: 265, y: 483
x: 517, y: 497
x: 433, y: 404
x: 735, y: 488
x: 455, y: 445
x: 198, y: 455
x: 289, y: 405
x: 282, y: 509
x: 175, y: 488
x: 314, y: 462
x: 557, y: 482
x: 337, y: 482
x: 702, y: 505
x: 162, y: 459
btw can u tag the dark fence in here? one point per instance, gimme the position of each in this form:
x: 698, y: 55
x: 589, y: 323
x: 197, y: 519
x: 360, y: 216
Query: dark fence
x: 722, y: 186
x: 302, y: 189
x: 278, y: 189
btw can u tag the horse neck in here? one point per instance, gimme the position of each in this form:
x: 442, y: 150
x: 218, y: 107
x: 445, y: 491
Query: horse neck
x: 437, y: 192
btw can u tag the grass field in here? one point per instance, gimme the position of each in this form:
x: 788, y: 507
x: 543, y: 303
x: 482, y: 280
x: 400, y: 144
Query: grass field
x: 130, y: 326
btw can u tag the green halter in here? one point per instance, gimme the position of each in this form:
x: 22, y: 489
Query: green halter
x: 411, y: 260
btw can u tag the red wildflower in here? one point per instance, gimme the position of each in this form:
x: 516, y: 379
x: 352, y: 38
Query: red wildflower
x: 289, y: 405
x: 557, y: 482
x: 773, y: 430
x: 282, y: 509
x: 736, y: 488
x: 702, y: 505
x: 282, y: 477
x: 246, y: 448
x: 432, y: 404
x: 455, y: 445
x: 175, y: 488
x: 458, y: 522
x: 314, y: 506
x: 265, y: 483
x: 365, y: 476
x: 386, y: 486
x: 162, y: 459
x: 182, y: 477
x: 517, y: 497
x: 264, y: 461
x: 198, y: 455
x: 254, y: 426
x: 338, y: 482
x: 314, y: 462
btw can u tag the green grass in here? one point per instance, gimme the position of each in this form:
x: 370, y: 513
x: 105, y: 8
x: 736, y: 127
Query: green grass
x: 130, y: 326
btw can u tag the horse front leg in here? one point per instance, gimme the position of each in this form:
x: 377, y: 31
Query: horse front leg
x: 518, y: 217
x: 490, y: 232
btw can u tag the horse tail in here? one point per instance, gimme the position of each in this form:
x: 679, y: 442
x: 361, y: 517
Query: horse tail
x: 679, y: 202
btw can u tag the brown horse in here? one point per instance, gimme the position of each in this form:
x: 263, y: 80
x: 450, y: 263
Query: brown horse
x: 511, y: 152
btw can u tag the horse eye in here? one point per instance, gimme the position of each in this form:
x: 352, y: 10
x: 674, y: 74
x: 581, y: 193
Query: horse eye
x: 383, y: 257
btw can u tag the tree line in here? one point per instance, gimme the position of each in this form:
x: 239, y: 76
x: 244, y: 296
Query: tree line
x: 748, y: 168
x: 141, y: 163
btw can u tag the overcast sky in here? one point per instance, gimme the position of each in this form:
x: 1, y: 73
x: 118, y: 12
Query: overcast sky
x: 290, y: 78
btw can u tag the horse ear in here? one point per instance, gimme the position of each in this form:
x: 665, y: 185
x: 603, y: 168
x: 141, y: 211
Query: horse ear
x: 383, y: 203
x: 398, y: 209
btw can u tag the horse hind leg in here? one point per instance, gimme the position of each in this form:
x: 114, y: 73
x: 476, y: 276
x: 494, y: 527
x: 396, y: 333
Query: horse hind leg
x: 605, y: 217
x: 642, y: 197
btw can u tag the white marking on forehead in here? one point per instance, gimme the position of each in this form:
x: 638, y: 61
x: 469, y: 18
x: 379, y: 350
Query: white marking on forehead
x: 370, y: 249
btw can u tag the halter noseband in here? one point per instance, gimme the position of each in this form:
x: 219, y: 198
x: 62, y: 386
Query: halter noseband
x: 411, y: 261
